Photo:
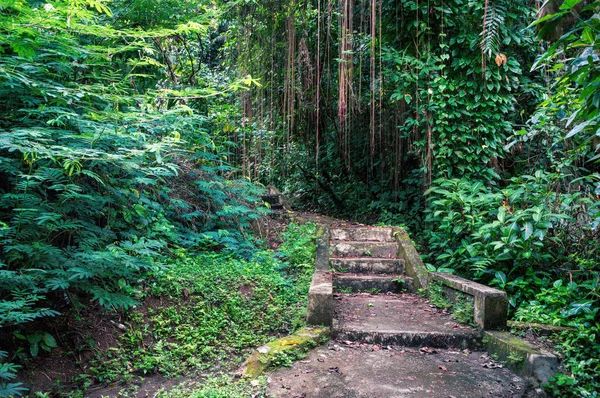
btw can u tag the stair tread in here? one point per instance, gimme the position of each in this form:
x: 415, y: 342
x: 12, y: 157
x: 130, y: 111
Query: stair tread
x: 353, y: 275
x: 370, y: 242
x: 364, y: 227
x: 366, y: 258
x: 394, y: 314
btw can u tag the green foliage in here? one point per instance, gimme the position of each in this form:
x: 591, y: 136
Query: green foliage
x: 461, y: 306
x: 524, y: 227
x: 298, y: 252
x: 105, y: 165
x: 218, y: 387
x: 575, y: 57
x: 8, y: 372
x: 37, y: 340
x: 214, y: 307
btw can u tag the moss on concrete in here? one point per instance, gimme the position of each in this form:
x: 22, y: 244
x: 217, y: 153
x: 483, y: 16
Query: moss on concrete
x: 282, y: 352
x: 413, y: 264
x: 520, y: 356
x: 539, y: 328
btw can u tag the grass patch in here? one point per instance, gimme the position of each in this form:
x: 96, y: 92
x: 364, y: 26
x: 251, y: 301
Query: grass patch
x: 205, y: 312
x: 218, y: 387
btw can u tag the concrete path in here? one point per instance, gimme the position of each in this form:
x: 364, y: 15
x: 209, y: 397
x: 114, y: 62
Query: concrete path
x: 355, y: 370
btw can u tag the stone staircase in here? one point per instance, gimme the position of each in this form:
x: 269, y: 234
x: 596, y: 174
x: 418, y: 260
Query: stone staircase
x: 388, y: 341
x: 373, y: 298
x: 366, y: 260
x: 364, y: 289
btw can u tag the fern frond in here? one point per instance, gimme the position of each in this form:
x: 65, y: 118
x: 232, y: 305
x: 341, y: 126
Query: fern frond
x: 493, y: 21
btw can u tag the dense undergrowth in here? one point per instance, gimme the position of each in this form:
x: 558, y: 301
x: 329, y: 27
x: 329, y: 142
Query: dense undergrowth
x: 110, y: 160
x: 200, y: 316
x: 136, y: 136
x: 213, y: 307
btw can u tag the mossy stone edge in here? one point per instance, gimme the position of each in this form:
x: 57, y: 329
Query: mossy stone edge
x: 261, y: 360
x: 521, y: 357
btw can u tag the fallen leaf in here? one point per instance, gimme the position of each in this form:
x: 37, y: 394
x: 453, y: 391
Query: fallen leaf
x: 443, y: 368
x: 500, y: 59
x: 427, y: 350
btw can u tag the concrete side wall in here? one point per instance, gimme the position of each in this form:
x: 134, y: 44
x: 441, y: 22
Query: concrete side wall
x: 322, y: 257
x: 320, y: 299
x: 491, y: 305
x: 413, y: 265
x: 320, y: 294
x: 521, y: 357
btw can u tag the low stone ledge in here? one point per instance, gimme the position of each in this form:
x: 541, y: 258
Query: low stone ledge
x: 320, y: 299
x: 539, y: 328
x: 322, y: 256
x: 491, y: 305
x: 413, y: 265
x: 521, y: 357
x: 293, y: 346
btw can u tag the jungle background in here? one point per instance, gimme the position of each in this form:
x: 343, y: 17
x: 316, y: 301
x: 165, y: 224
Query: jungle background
x: 136, y: 137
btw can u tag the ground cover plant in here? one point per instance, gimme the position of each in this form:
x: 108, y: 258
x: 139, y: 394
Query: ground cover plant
x: 213, y: 307
x: 199, y: 318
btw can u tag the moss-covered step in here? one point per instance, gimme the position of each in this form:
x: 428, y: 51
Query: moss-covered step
x: 362, y: 234
x: 282, y: 351
x: 367, y: 265
x: 364, y: 249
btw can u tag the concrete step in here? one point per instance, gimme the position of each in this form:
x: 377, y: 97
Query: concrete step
x: 273, y: 199
x: 367, y: 234
x: 367, y: 265
x: 399, y: 320
x: 363, y: 249
x: 372, y: 283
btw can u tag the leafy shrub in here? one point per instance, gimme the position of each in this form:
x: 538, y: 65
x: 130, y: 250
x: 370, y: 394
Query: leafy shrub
x: 215, y: 306
x: 95, y: 181
x: 8, y: 372
x: 505, y: 235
